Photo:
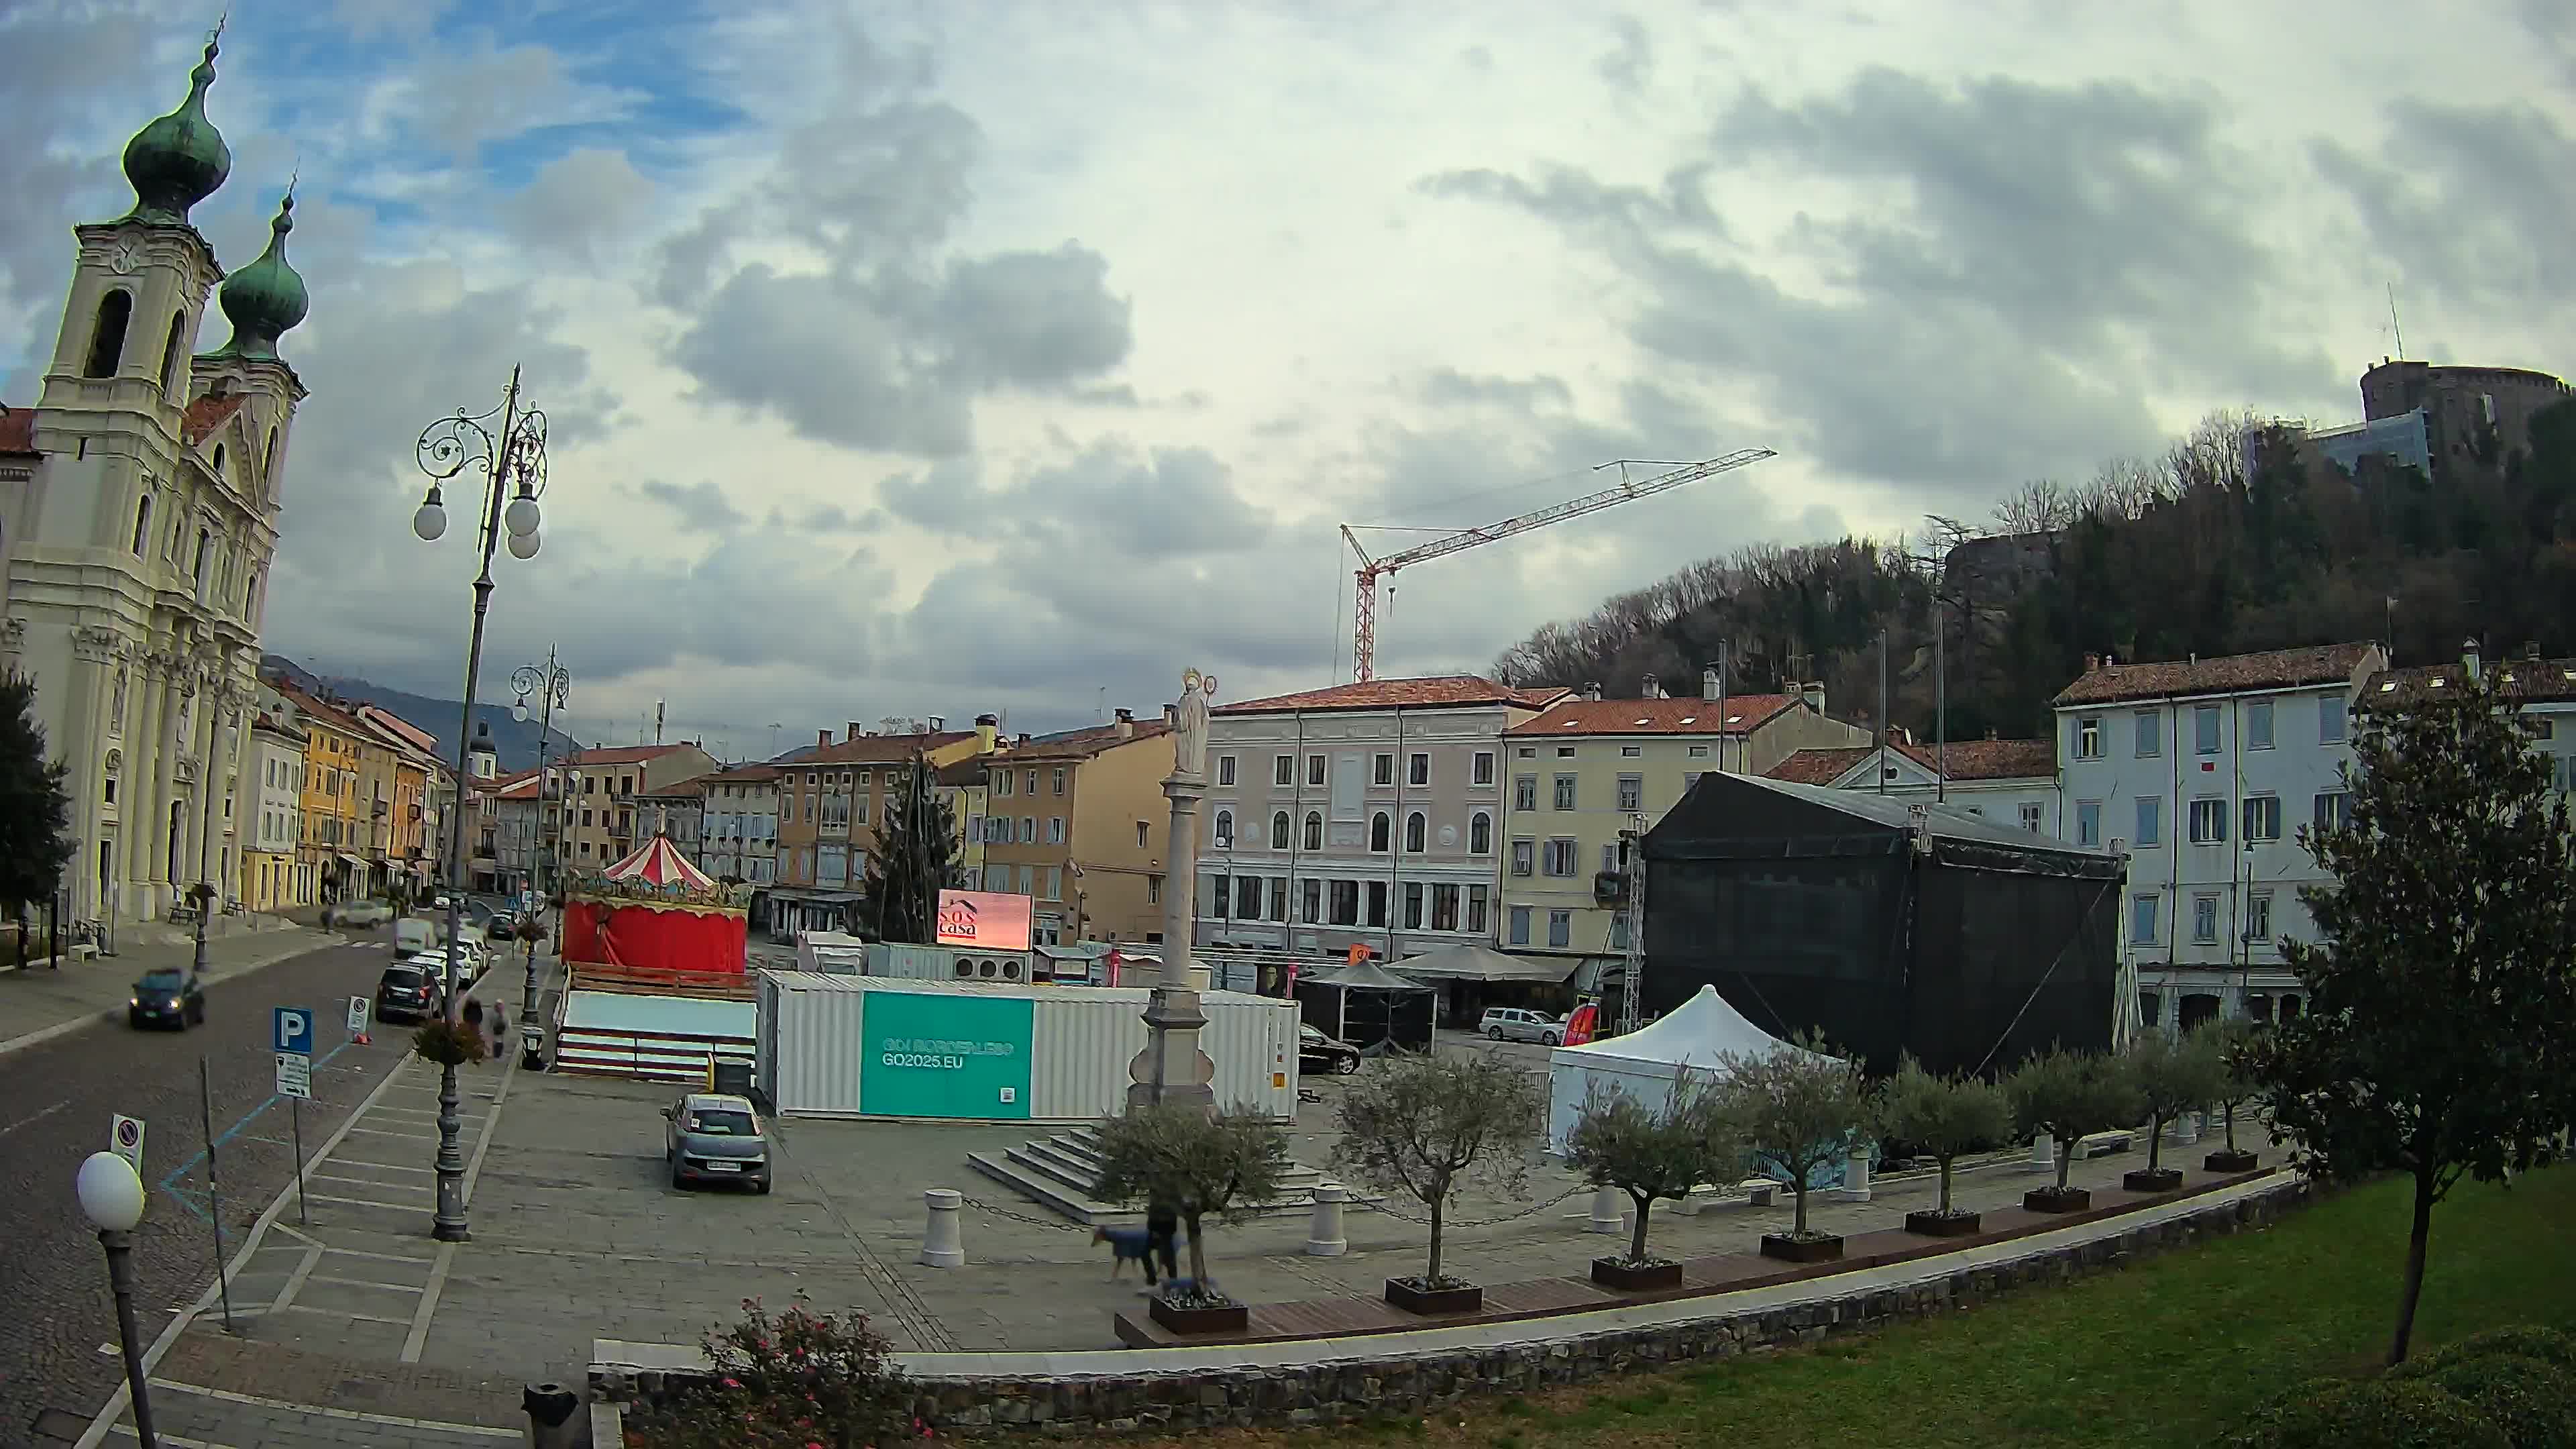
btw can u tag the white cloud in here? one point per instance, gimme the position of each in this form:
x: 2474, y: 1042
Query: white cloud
x: 1007, y: 354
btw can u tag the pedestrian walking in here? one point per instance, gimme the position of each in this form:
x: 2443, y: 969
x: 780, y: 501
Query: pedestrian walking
x: 1162, y: 1227
x: 474, y: 1015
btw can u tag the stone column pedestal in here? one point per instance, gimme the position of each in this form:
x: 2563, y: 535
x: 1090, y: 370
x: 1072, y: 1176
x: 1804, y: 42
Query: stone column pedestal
x: 1172, y: 1070
x: 1855, y: 1186
x: 1609, y: 1212
x: 2043, y: 1155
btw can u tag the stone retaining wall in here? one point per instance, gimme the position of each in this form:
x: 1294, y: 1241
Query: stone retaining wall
x: 1398, y: 1383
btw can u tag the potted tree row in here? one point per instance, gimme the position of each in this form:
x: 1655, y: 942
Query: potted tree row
x: 1652, y: 1154
x: 1426, y: 1126
x: 2169, y: 1077
x: 2067, y: 1096
x: 2233, y: 1044
x: 1798, y: 1108
x: 1944, y: 1118
x: 1224, y: 1165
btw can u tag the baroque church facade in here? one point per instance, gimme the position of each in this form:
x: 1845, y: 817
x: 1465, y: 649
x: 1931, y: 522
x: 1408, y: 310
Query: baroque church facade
x: 139, y: 507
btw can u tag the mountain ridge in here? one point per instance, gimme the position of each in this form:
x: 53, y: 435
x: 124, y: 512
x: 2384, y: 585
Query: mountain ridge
x: 515, y: 743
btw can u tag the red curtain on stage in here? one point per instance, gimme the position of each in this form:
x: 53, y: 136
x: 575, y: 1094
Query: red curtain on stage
x: 643, y: 939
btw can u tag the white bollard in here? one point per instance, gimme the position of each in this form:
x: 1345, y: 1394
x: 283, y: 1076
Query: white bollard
x: 2043, y: 1155
x: 942, y: 1246
x: 1324, y: 1235
x: 1855, y: 1186
x: 2186, y: 1129
x: 1609, y: 1212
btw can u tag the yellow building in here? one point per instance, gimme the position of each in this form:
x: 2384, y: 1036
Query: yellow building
x: 1585, y: 769
x: 1079, y: 822
x: 602, y: 823
x: 407, y: 766
x: 333, y: 836
x: 272, y: 879
x: 830, y: 805
x: 966, y: 786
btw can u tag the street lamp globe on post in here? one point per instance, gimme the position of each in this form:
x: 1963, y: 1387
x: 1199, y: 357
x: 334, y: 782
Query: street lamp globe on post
x: 508, y: 446
x: 111, y: 1197
x: 552, y: 685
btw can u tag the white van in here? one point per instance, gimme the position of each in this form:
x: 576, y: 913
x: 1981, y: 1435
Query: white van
x: 412, y: 935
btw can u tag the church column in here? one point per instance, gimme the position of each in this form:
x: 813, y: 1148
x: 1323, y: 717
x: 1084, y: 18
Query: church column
x: 141, y: 807
x: 85, y: 746
x: 169, y: 742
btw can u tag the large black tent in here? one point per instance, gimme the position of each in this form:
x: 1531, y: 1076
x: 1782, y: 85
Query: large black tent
x: 1369, y: 1007
x: 1890, y: 926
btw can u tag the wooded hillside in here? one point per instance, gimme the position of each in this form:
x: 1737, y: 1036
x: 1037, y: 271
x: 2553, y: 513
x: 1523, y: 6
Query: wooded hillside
x: 2192, y: 552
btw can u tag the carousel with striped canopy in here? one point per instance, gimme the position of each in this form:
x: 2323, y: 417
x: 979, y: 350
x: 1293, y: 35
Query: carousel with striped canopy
x: 656, y: 912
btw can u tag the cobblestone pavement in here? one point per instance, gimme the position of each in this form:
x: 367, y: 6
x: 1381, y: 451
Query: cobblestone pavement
x: 56, y: 1100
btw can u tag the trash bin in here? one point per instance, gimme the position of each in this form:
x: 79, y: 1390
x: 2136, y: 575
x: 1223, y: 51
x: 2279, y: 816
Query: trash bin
x: 532, y: 1048
x: 555, y: 1420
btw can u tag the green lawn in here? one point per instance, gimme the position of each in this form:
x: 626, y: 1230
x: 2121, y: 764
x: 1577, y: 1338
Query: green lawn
x: 2170, y: 1351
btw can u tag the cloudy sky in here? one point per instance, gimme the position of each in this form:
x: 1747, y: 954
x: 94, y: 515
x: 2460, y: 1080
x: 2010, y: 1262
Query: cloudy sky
x: 935, y: 358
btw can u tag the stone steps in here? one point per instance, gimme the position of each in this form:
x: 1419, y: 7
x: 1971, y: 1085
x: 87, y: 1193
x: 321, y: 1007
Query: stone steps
x: 1062, y: 1173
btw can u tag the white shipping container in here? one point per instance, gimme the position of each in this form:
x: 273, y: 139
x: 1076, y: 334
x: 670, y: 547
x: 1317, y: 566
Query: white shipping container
x: 830, y: 953
x: 813, y: 1045
x: 897, y: 960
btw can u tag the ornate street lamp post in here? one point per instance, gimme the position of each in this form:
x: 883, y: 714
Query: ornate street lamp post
x: 553, y: 686
x: 514, y: 457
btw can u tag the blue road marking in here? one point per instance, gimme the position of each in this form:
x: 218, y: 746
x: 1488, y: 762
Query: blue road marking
x: 183, y: 1169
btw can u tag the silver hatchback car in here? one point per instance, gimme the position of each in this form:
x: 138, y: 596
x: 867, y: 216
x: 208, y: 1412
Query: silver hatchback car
x: 716, y: 1138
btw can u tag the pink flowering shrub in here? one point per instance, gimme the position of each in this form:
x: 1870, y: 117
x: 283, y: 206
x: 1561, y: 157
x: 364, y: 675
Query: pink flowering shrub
x: 795, y: 1379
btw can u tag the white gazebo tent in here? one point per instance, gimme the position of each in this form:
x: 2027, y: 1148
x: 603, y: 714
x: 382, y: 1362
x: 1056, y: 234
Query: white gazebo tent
x: 1644, y: 1064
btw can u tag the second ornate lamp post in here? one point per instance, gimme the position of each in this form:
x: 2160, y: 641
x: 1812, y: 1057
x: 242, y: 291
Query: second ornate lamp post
x: 514, y: 457
x: 553, y: 686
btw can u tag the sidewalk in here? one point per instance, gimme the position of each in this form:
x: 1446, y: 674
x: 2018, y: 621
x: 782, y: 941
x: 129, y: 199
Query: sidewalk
x: 334, y: 1296
x: 42, y: 1002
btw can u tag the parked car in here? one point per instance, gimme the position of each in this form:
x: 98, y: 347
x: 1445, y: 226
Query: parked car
x: 355, y: 915
x: 408, y: 991
x: 1317, y: 1052
x: 166, y: 998
x: 470, y: 964
x: 716, y: 1138
x: 1514, y: 1023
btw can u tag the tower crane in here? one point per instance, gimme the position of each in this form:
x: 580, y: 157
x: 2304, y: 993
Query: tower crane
x: 1364, y: 607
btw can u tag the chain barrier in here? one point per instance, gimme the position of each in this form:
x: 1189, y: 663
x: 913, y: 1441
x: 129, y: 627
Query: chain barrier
x: 1036, y: 1222
x: 1447, y: 1223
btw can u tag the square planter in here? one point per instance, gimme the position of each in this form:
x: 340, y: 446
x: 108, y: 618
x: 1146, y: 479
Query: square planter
x: 1801, y: 1250
x: 1638, y: 1278
x: 2226, y: 1161
x: 2152, y: 1179
x: 1405, y: 1293
x: 1940, y: 1225
x: 2056, y: 1200
x: 1213, y: 1318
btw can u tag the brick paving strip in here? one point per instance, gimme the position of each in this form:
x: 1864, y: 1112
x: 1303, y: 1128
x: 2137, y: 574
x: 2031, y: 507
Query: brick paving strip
x: 370, y: 1391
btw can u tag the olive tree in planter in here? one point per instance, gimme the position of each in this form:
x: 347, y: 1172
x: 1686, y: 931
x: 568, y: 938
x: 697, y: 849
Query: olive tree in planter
x: 1944, y: 1117
x: 2066, y: 1096
x: 1649, y: 1154
x: 1797, y: 1107
x: 1425, y: 1126
x: 1223, y: 1166
x: 2230, y: 1045
x: 2170, y: 1078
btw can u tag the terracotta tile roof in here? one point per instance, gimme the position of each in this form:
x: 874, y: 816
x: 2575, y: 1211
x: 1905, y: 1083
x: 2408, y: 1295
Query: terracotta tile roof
x: 2230, y: 674
x: 1818, y: 766
x: 208, y: 413
x: 522, y: 786
x: 330, y: 714
x: 879, y: 749
x: 1443, y: 689
x: 695, y: 785
x: 744, y: 775
x: 1694, y: 716
x: 622, y: 754
x: 17, y: 430
x: 1965, y: 759
x: 1078, y: 744
x: 2531, y: 680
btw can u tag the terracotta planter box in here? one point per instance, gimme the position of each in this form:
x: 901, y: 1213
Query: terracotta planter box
x: 2152, y: 1179
x: 1224, y: 1318
x: 1465, y: 1298
x: 2226, y: 1161
x: 1935, y: 1225
x: 2056, y: 1200
x: 1611, y: 1273
x: 1801, y: 1250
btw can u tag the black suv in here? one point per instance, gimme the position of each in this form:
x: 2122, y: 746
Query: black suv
x: 407, y: 993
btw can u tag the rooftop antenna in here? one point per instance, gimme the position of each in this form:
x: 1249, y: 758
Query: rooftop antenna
x: 2398, y: 327
x: 657, y: 721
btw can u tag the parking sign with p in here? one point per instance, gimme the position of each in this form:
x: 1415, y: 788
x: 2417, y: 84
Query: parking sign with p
x: 294, y: 1030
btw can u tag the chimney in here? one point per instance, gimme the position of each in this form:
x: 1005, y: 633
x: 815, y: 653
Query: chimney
x: 855, y: 732
x: 1990, y: 733
x: 2092, y: 663
x: 1126, y: 724
x: 939, y: 724
x: 1709, y: 688
x: 1024, y: 739
x: 2531, y: 649
x: 1814, y: 694
x: 822, y: 738
x: 1592, y: 689
x: 988, y: 729
x: 1171, y: 716
x: 2469, y: 658
x: 1651, y: 688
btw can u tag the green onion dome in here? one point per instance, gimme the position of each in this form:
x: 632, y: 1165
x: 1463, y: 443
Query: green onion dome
x: 180, y: 159
x: 265, y: 299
